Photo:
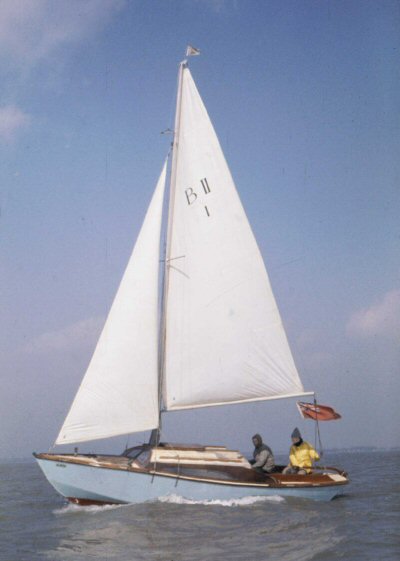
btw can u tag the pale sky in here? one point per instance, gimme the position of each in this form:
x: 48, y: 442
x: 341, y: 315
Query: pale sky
x: 304, y: 98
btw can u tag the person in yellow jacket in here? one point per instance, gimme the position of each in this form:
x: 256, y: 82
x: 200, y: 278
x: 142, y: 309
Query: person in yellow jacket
x: 301, y: 455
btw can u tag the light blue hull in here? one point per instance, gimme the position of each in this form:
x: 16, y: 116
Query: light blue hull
x: 103, y: 485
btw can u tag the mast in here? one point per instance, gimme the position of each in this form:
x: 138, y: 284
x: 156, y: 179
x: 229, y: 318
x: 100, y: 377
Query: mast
x: 155, y: 433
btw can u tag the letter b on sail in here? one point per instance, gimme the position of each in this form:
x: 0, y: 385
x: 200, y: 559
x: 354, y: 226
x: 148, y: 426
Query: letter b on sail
x: 190, y: 196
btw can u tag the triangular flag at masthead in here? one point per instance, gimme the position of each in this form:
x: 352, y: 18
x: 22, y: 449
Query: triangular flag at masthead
x: 192, y: 51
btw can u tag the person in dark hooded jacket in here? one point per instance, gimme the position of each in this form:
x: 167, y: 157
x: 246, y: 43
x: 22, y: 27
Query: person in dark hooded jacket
x: 263, y: 458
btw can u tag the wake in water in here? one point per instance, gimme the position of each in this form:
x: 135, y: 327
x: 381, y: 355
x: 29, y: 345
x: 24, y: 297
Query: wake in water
x: 171, y: 499
x: 244, y: 501
x: 91, y: 509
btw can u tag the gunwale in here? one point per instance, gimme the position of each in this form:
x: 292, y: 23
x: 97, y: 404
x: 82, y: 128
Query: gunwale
x: 238, y: 476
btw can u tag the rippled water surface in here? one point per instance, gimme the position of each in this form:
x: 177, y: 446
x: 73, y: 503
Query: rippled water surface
x: 37, y: 525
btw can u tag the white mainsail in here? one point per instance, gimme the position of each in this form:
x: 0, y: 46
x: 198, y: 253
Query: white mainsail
x: 224, y: 339
x: 119, y: 393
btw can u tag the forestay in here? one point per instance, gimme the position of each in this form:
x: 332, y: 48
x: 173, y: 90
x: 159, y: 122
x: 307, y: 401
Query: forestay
x: 119, y: 393
x: 225, y: 342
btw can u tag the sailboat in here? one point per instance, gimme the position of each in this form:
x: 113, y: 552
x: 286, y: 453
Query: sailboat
x: 212, y: 336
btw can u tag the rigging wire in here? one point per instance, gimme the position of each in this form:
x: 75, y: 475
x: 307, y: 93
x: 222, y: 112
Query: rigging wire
x: 317, y: 431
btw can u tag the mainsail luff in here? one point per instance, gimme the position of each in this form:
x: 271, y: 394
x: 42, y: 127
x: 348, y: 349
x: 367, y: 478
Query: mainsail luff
x: 174, y: 157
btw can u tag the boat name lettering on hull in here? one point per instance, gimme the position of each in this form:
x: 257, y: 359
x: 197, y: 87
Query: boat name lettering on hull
x: 61, y: 465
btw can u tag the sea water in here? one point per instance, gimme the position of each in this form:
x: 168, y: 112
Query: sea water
x: 36, y: 524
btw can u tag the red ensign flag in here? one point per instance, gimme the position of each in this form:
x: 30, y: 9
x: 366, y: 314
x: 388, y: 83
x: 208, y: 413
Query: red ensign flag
x: 317, y: 412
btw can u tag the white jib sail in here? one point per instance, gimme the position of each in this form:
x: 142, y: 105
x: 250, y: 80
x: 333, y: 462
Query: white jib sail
x: 225, y: 341
x: 119, y: 393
